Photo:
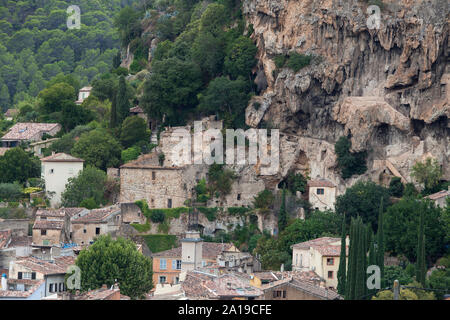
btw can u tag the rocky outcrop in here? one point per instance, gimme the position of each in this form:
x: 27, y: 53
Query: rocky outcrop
x: 387, y: 87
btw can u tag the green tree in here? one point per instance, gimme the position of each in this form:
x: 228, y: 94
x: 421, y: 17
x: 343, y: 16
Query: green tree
x: 107, y: 261
x: 10, y: 191
x: 98, y: 148
x: 88, y: 184
x: 134, y: 130
x: 421, y: 266
x: 53, y: 98
x: 282, y: 214
x: 428, y: 173
x: 241, y: 58
x: 342, y: 271
x: 130, y: 154
x: 362, y: 199
x: 400, y: 229
x: 122, y: 100
x: 380, y: 240
x: 220, y: 180
x: 264, y: 201
x: 171, y: 89
x: 18, y: 165
x: 348, y: 162
x: 396, y: 187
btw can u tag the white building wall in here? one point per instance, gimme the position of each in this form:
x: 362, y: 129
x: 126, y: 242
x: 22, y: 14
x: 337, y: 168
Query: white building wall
x: 56, y: 175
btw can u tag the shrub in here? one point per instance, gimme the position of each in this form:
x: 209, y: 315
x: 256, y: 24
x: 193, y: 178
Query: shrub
x: 160, y: 242
x: 10, y: 191
x: 238, y: 210
x: 298, y: 61
x: 396, y: 187
x: 210, y: 213
x: 348, y: 162
x: 157, y: 216
x: 264, y: 200
x: 130, y: 154
x: 280, y: 60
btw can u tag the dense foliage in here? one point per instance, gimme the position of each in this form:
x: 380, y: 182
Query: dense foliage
x: 349, y: 163
x: 107, y: 261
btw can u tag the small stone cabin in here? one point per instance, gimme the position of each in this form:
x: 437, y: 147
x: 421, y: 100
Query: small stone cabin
x: 321, y: 194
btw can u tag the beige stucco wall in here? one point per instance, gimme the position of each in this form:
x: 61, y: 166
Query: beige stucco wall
x: 322, y: 201
x: 14, y: 270
x: 56, y: 181
x: 78, y: 235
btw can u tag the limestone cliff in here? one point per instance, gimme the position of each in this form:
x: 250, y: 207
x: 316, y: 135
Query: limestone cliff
x: 388, y: 87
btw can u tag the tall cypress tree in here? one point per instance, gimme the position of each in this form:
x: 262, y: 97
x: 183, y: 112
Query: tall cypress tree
x: 372, y: 260
x: 342, y: 272
x: 123, y: 104
x: 113, y: 115
x: 421, y: 268
x: 380, y: 242
x: 282, y: 215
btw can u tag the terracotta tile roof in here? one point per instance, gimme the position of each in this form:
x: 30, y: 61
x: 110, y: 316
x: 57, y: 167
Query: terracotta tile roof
x: 56, y: 213
x: 11, y: 112
x: 86, y: 89
x: 97, y: 215
x: 210, y: 251
x: 316, y: 290
x: 28, y: 130
x: 5, y: 238
x: 321, y: 183
x: 202, y: 285
x: 58, y: 266
x: 136, y: 109
x: 98, y: 294
x: 438, y: 195
x: 48, y: 224
x: 326, y: 246
x: 22, y: 294
x: 23, y: 241
x: 73, y: 211
x: 61, y: 157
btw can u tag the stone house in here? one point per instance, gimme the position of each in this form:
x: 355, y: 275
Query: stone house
x: 28, y: 132
x: 85, y: 228
x: 137, y: 111
x: 321, y: 194
x: 321, y: 255
x: 51, y: 272
x: 51, y: 227
x: 38, y: 146
x: 56, y: 170
x: 23, y: 290
x: 83, y: 94
x: 440, y: 198
x: 161, y: 186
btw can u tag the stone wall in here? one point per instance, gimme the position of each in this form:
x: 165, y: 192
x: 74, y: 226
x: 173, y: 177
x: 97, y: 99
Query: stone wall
x: 19, y: 227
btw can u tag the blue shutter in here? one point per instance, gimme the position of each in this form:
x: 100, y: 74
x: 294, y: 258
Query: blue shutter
x: 174, y: 264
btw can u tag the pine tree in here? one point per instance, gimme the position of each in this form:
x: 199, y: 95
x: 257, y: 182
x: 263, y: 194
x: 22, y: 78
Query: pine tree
x: 282, y: 215
x: 421, y: 263
x: 380, y: 242
x: 342, y: 272
x: 123, y: 104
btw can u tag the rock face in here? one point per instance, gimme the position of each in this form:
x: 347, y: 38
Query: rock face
x: 387, y: 87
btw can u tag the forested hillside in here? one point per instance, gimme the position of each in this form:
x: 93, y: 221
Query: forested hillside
x: 36, y: 45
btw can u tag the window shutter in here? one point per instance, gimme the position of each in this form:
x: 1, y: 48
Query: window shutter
x: 20, y: 275
x: 174, y: 264
x: 33, y: 276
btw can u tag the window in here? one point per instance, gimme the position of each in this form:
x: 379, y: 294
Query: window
x: 97, y: 230
x: 153, y: 175
x: 330, y: 261
x: 330, y: 274
x: 169, y: 203
x: 52, y: 171
x: 320, y: 191
x: 176, y: 264
x: 84, y: 230
x: 50, y: 287
x: 26, y: 275
x: 43, y: 232
x: 61, y: 288
x: 279, y: 294
x: 239, y: 196
x: 284, y: 293
x: 162, y: 279
x: 162, y: 264
x: 177, y: 280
